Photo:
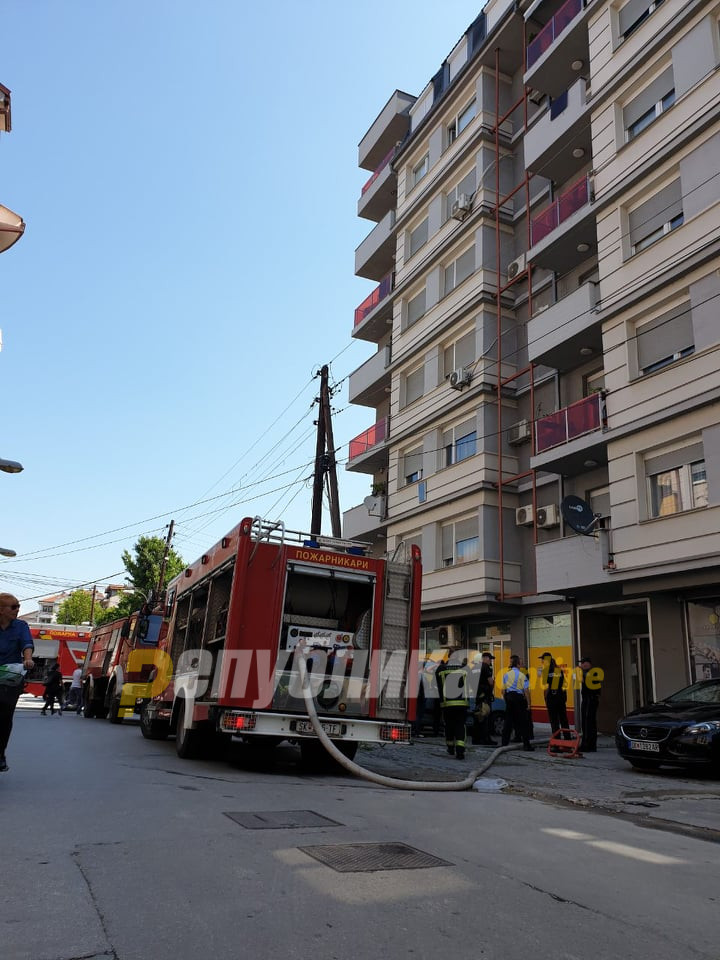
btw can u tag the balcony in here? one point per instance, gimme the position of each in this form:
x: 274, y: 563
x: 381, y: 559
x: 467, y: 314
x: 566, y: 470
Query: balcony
x: 368, y: 452
x: 571, y: 562
x: 556, y: 138
x: 391, y: 125
x: 379, y: 194
x: 360, y: 524
x: 375, y: 256
x: 561, y: 49
x: 374, y: 314
x: 572, y: 440
x: 565, y: 233
x: 562, y: 334
x: 369, y: 385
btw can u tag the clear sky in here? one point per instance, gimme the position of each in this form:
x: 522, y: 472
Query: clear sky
x: 188, y: 176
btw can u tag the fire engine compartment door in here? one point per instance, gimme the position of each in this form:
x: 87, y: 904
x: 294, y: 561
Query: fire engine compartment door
x: 331, y: 610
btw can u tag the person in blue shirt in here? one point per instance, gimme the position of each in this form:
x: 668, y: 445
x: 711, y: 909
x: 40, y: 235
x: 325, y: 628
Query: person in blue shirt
x: 16, y: 650
x: 516, y: 691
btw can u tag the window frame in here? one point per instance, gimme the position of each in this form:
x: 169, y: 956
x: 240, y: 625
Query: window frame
x: 644, y: 243
x: 415, y: 175
x: 461, y: 121
x: 458, y: 557
x: 453, y: 266
x: 450, y: 453
x: 417, y: 231
x: 684, y: 488
x: 638, y: 22
x: 416, y: 475
x: 418, y: 372
x: 633, y: 131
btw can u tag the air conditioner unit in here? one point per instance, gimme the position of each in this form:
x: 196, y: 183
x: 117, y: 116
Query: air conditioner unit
x: 519, y: 432
x: 460, y: 378
x: 516, y: 266
x: 461, y: 207
x: 523, y: 516
x: 548, y: 516
x: 451, y: 635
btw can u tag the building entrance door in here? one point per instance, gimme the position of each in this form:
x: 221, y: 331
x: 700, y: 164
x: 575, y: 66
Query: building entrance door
x: 637, y: 671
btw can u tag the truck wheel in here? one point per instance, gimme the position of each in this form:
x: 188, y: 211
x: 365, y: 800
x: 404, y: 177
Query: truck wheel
x: 89, y: 707
x: 153, y: 729
x: 188, y: 742
x: 114, y: 710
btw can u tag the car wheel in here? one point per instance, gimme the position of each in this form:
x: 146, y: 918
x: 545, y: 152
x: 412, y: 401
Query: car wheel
x: 645, y: 764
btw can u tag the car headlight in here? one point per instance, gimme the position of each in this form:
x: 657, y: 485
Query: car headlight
x: 708, y: 726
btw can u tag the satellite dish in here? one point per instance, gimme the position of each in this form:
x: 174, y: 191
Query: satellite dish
x: 578, y: 515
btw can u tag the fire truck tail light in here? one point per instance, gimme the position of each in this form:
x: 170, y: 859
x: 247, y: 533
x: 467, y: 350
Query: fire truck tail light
x: 235, y: 722
x: 395, y: 733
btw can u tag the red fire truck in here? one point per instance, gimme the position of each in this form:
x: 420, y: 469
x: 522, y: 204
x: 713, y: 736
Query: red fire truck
x: 107, y: 669
x: 236, y: 616
x: 57, y: 641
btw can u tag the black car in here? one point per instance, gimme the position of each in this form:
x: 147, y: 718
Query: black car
x: 681, y: 731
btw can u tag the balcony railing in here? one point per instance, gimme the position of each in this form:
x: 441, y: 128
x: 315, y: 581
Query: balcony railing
x: 369, y: 439
x: 552, y: 30
x: 562, y: 207
x: 585, y: 416
x: 378, y: 170
x: 381, y: 291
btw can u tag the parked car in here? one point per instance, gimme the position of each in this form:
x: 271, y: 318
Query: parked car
x: 681, y: 731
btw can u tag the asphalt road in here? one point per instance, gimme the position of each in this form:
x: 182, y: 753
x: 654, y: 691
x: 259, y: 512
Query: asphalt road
x: 114, y: 848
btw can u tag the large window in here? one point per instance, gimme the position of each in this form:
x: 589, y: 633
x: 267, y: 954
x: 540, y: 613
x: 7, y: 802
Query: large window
x: 420, y: 170
x: 665, y: 339
x: 414, y: 385
x: 459, y: 354
x: 677, y: 481
x: 415, y: 308
x: 656, y: 217
x: 460, y: 542
x: 635, y: 13
x: 413, y: 465
x: 458, y: 123
x: 459, y: 270
x: 418, y: 237
x: 459, y: 443
x: 654, y: 100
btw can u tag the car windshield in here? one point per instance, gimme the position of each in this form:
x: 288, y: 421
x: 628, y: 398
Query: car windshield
x: 706, y: 691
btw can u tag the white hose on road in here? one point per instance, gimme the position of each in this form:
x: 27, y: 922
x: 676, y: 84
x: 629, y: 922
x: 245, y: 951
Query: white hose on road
x: 379, y: 778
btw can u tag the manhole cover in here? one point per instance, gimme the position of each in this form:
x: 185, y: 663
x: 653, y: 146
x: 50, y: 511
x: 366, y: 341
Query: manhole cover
x: 369, y: 857
x: 281, y: 819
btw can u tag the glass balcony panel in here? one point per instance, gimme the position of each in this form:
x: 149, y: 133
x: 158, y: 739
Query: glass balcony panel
x: 378, y: 170
x: 551, y: 431
x: 368, y: 439
x: 561, y: 209
x: 381, y: 291
x: 570, y: 422
x: 552, y: 30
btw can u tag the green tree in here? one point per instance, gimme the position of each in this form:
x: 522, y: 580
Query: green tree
x: 144, y: 570
x: 76, y: 608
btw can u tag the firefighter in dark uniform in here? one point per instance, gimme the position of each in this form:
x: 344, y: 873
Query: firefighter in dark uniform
x: 589, y: 700
x: 483, y: 686
x: 452, y: 682
x: 553, y: 680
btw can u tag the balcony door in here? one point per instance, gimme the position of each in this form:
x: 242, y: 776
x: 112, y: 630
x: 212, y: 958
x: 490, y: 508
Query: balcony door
x: 637, y: 671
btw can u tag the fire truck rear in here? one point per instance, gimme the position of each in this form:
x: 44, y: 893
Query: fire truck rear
x: 237, y: 616
x: 65, y: 643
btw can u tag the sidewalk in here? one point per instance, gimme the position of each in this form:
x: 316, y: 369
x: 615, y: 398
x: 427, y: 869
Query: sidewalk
x: 602, y: 781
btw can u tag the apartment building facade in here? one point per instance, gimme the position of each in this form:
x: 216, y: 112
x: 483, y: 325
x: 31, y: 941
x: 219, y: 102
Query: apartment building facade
x: 545, y: 393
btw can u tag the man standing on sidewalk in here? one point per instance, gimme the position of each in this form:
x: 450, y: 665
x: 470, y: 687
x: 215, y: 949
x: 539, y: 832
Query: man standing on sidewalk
x: 516, y: 687
x: 589, y: 700
x: 452, y: 683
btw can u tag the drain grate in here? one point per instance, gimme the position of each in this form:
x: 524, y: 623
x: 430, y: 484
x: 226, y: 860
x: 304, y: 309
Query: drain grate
x: 281, y: 819
x: 370, y: 857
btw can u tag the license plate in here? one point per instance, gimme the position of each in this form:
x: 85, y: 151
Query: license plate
x: 331, y: 729
x: 644, y: 745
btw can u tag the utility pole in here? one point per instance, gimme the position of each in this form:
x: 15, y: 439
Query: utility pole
x: 168, y: 541
x: 325, y: 462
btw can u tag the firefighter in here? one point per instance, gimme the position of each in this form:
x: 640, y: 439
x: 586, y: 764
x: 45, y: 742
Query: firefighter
x: 452, y: 683
x: 590, y: 699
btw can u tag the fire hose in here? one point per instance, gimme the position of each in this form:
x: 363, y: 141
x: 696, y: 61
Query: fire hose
x: 396, y: 782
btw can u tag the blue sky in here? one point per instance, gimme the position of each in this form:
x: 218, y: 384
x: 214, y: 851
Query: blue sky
x: 188, y: 176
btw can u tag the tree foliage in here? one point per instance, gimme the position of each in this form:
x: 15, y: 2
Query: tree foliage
x: 76, y: 608
x: 144, y: 570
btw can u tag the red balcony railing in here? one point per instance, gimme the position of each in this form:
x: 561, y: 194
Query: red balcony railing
x: 378, y: 170
x: 370, y: 438
x: 579, y: 418
x: 383, y: 289
x: 552, y: 30
x: 562, y: 207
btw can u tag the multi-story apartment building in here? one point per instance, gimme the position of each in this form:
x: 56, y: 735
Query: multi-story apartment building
x: 546, y: 390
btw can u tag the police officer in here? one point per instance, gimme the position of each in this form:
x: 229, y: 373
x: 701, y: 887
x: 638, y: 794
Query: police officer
x: 516, y: 691
x: 452, y: 683
x: 589, y: 700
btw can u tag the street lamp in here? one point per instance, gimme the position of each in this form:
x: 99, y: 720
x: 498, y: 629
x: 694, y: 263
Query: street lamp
x: 4, y: 552
x: 11, y: 466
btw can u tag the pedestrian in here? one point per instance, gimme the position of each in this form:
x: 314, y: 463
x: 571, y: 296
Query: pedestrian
x: 75, y: 693
x: 555, y: 693
x: 53, y: 690
x: 590, y: 688
x: 452, y: 682
x: 16, y: 650
x: 483, y: 683
x: 516, y: 691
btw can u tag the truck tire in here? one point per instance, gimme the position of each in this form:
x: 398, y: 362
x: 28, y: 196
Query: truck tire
x: 89, y: 706
x: 189, y: 743
x: 153, y: 729
x: 314, y: 757
x: 113, y: 711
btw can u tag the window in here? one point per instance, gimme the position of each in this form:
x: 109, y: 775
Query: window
x: 459, y: 354
x: 413, y: 466
x: 460, y: 542
x: 414, y: 385
x: 458, y: 124
x: 46, y: 607
x: 593, y: 382
x: 459, y: 270
x: 418, y: 237
x: 655, y: 218
x: 466, y: 186
x: 599, y: 500
x: 654, y: 100
x: 677, y: 481
x: 635, y: 13
x: 459, y: 443
x: 420, y: 169
x: 665, y: 339
x: 415, y: 308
